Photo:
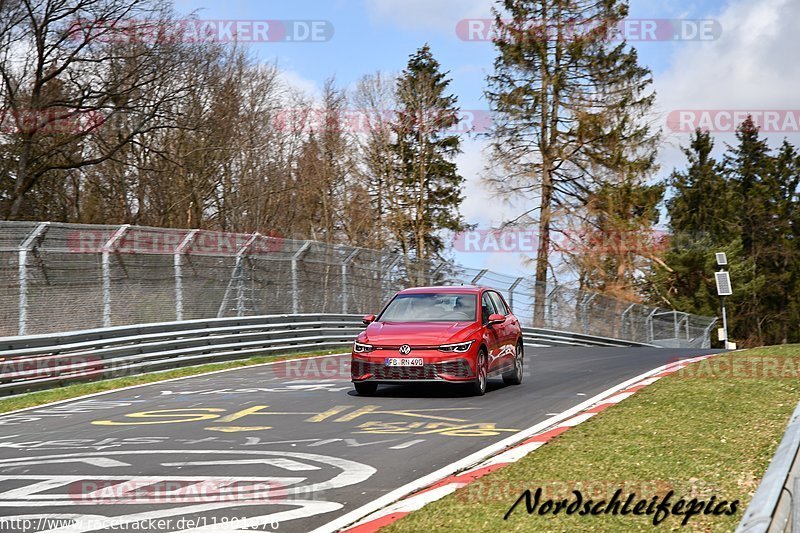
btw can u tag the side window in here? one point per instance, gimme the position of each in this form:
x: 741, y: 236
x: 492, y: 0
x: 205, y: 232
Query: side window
x: 487, y: 308
x: 498, y: 303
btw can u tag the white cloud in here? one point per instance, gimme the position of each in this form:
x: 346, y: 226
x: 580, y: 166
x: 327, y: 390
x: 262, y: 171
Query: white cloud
x: 752, y: 67
x: 295, y: 80
x: 426, y: 14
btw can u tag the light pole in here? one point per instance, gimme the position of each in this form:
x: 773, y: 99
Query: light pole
x: 723, y: 289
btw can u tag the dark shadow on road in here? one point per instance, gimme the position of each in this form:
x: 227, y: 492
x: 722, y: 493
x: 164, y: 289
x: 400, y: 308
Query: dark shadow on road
x: 431, y: 390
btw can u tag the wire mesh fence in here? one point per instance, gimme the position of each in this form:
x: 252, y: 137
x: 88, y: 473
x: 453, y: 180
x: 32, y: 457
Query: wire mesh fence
x: 58, y: 277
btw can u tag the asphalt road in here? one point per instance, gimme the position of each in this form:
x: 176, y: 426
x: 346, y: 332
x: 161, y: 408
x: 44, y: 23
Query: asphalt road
x: 288, y: 446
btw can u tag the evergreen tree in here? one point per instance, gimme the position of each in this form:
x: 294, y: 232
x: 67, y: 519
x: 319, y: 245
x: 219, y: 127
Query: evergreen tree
x: 703, y: 205
x: 429, y: 184
x: 782, y: 253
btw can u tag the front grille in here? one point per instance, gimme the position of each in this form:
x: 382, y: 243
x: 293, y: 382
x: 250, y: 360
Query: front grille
x: 459, y: 368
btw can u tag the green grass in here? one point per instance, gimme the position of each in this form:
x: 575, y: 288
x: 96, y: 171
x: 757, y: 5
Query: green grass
x: 33, y: 399
x: 698, y: 432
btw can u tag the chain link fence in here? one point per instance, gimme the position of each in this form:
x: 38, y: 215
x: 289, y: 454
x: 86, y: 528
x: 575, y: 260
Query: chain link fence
x: 59, y: 277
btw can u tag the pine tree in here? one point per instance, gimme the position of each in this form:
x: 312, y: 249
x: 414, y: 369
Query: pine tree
x: 570, y: 101
x: 782, y: 252
x: 703, y: 205
x: 429, y: 184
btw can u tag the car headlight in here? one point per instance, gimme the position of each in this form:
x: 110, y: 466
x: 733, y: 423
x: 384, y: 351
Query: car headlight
x: 362, y: 348
x: 460, y: 347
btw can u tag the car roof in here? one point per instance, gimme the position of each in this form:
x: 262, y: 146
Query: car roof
x: 448, y: 289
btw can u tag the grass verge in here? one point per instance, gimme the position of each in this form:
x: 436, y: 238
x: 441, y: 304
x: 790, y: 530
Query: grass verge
x: 33, y: 399
x: 708, y: 430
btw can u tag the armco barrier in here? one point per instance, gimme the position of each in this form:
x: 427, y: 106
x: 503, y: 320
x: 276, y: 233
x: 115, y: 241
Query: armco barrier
x: 44, y: 361
x: 775, y: 506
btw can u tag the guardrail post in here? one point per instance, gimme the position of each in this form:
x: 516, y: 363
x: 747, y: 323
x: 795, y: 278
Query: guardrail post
x: 106, y: 266
x: 623, y: 316
x: 707, y: 333
x: 687, y: 317
x: 349, y: 258
x: 432, y: 277
x: 27, y: 245
x: 295, y: 258
x: 385, y: 287
x: 584, y: 312
x: 549, y: 302
x: 650, y: 329
x: 240, y: 310
x: 479, y: 276
x: 511, y: 292
x: 675, y: 325
x: 178, y: 263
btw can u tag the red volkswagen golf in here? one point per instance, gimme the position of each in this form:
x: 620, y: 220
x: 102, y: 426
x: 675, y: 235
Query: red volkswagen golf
x: 450, y: 334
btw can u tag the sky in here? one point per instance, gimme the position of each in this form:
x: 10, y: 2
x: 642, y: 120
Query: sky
x: 721, y: 60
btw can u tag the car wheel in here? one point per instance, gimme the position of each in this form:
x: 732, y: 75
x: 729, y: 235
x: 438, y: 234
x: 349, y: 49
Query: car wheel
x: 515, y: 376
x: 479, y: 385
x: 366, y: 389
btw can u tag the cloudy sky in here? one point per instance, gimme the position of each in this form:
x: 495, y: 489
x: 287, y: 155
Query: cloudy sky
x: 722, y: 56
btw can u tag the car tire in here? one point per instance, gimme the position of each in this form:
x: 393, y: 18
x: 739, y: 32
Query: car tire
x: 515, y: 376
x: 479, y: 385
x: 366, y: 389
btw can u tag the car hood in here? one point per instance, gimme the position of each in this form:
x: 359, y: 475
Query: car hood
x: 417, y: 333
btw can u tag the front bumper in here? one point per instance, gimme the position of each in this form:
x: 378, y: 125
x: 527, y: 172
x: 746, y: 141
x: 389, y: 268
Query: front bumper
x: 436, y: 367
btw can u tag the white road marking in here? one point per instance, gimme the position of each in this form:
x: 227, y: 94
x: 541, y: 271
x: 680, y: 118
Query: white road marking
x: 575, y: 420
x: 28, y: 490
x: 280, y: 462
x: 618, y: 397
x: 421, y: 500
x: 510, y: 456
x: 159, y: 383
x: 474, y: 459
x: 258, y: 491
x: 406, y: 444
x: 351, y: 471
x: 102, y: 462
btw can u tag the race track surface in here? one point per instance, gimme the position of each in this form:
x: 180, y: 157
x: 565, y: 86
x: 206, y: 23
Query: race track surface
x: 288, y: 445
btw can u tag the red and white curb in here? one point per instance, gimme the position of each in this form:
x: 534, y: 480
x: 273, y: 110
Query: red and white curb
x: 449, y: 484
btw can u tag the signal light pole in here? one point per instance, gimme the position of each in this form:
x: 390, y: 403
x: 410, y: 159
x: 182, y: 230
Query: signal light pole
x: 723, y: 289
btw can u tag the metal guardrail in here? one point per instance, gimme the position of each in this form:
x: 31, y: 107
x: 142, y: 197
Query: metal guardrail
x: 551, y: 337
x: 775, y: 506
x: 44, y: 361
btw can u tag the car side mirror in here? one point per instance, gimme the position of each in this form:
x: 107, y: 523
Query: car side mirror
x: 495, y: 318
x: 368, y: 319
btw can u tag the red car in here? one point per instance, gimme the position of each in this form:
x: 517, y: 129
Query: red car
x: 444, y: 334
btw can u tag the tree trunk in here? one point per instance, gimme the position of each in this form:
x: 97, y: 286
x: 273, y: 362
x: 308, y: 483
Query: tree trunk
x: 543, y: 251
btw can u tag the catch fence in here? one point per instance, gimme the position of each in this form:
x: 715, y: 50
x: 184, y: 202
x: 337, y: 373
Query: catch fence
x: 59, y: 277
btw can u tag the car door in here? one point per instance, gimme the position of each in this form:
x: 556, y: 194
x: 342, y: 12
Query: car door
x: 506, y: 331
x: 491, y: 333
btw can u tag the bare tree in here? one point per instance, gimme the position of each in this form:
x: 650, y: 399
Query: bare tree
x: 375, y: 103
x: 79, y: 63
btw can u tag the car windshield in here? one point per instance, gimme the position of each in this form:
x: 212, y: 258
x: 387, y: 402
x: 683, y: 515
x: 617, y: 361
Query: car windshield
x: 430, y: 307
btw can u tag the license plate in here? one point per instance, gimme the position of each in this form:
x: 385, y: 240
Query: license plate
x: 404, y: 361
